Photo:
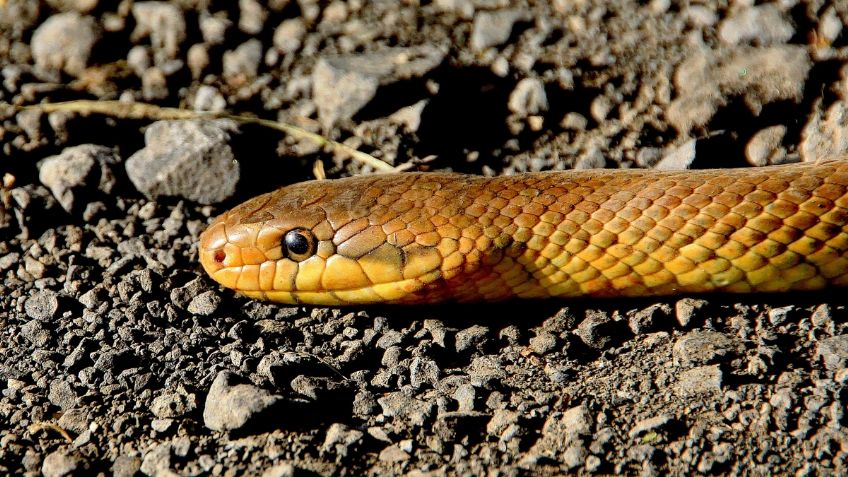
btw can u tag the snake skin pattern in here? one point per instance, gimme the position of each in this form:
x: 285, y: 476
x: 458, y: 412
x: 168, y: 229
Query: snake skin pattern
x: 432, y: 237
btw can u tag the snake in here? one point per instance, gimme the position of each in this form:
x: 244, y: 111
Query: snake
x: 429, y: 237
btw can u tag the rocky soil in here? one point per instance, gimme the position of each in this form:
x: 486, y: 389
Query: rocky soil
x: 120, y: 357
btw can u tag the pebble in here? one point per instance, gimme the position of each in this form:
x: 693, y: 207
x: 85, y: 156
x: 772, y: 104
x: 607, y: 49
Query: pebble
x: 423, y: 371
x: 833, y: 352
x: 205, y: 304
x: 42, y: 305
x: 61, y: 394
x: 765, y: 148
x: 393, y: 453
x: 778, y: 316
x: 36, y: 333
x: 528, y: 97
x: 646, y: 319
x: 707, y: 80
x: 284, y: 469
x: 494, y: 28
x: 471, y: 338
x: 208, y: 98
x: 288, y: 37
x: 650, y: 424
x: 252, y: 16
x: 762, y: 25
x: 173, y: 405
x: 594, y: 330
x: 61, y: 463
x: 213, y: 28
x: 686, y: 309
x: 574, y: 456
x: 825, y: 137
x: 64, y: 42
x: 164, y: 24
x: 182, y: 159
x: 126, y: 466
x: 703, y: 379
x: 154, y: 84
x: 79, y: 174
x: 157, y: 461
x: 197, y: 59
x: 19, y: 16
x: 343, y: 85
x: 243, y: 62
x: 399, y: 405
x: 704, y: 347
x: 231, y: 406
x: 341, y: 440
x: 678, y: 158
x: 543, y: 343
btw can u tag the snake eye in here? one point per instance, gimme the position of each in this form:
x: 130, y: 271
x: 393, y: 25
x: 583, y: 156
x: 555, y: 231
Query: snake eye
x: 299, y: 244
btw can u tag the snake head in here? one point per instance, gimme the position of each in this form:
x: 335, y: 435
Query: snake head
x: 320, y: 242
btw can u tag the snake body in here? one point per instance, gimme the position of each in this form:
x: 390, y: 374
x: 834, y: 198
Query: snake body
x: 431, y: 237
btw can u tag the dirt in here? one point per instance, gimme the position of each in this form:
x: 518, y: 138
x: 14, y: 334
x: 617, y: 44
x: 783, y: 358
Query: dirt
x: 119, y: 356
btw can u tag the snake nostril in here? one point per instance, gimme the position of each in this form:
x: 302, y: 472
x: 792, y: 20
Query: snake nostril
x: 220, y: 256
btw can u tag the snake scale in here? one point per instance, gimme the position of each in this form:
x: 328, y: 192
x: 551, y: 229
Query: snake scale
x: 433, y: 237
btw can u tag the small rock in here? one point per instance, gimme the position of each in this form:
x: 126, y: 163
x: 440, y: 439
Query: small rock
x: 500, y: 421
x: 704, y: 379
x: 154, y: 84
x: 707, y: 79
x: 833, y: 352
x: 288, y: 37
x: 343, y: 85
x: 778, y: 316
x: 173, y: 404
x: 62, y: 463
x: 678, y: 159
x: 232, y: 406
x: 594, y: 330
x: 36, y: 333
x: 161, y: 425
x: 574, y: 456
x: 252, y: 16
x: 213, y: 28
x: 393, y: 453
x: 164, y: 24
x: 62, y: 395
x: 764, y: 148
x: 423, y: 371
x: 406, y: 408
x: 341, y: 440
x: 205, y: 304
x: 78, y: 174
x: 465, y: 396
x: 686, y: 308
x: 470, y: 338
x: 182, y: 158
x: 64, y: 42
x: 543, y: 343
x: 157, y: 461
x: 493, y: 28
x: 75, y: 420
x: 126, y: 466
x: 648, y: 318
x: 650, y: 424
x: 42, y: 305
x: 285, y: 469
x: 528, y: 97
x: 763, y: 24
x: 243, y: 62
x: 826, y: 137
x: 197, y: 59
x: 704, y: 347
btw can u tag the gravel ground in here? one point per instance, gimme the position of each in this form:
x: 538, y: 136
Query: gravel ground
x: 118, y: 356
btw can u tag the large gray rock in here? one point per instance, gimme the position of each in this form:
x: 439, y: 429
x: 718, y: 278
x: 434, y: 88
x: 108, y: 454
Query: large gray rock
x: 231, y: 406
x: 188, y: 159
